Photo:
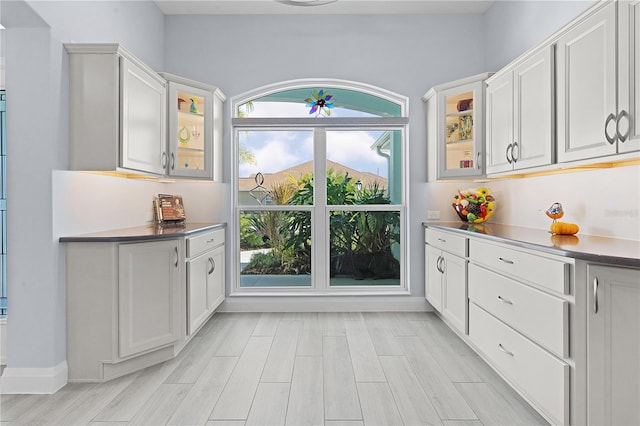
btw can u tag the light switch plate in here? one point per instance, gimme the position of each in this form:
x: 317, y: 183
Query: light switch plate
x: 433, y: 214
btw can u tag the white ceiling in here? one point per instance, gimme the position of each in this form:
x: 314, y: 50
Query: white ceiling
x: 267, y: 7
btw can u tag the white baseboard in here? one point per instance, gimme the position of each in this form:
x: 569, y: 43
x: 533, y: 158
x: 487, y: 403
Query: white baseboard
x: 324, y: 304
x: 33, y: 380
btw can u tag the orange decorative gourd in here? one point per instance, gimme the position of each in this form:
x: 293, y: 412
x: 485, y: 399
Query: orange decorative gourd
x: 564, y: 228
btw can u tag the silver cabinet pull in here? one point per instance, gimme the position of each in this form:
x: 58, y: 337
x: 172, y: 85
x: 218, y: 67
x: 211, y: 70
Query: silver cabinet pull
x: 515, y: 147
x: 442, y: 240
x: 595, y: 295
x: 502, y: 299
x: 440, y: 264
x: 213, y: 265
x: 509, y: 148
x: 478, y: 161
x: 611, y: 140
x: 164, y: 160
x: 176, y: 252
x: 507, y: 261
x: 504, y: 350
x: 210, y: 241
x: 622, y: 138
x: 173, y: 161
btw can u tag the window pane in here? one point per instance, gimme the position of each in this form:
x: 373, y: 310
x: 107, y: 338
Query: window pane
x: 273, y: 165
x: 364, y: 167
x: 365, y: 248
x: 275, y: 249
x: 295, y: 103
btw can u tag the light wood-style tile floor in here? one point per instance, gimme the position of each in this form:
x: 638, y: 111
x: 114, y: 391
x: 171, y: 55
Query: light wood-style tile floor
x: 297, y: 369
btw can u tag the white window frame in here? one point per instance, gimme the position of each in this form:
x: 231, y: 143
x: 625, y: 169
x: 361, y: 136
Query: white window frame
x: 320, y: 285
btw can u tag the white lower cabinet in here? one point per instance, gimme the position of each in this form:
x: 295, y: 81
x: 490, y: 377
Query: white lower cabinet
x: 519, y: 321
x: 123, y: 306
x: 148, y: 296
x: 128, y: 301
x: 613, y: 345
x: 205, y: 277
x: 446, y: 276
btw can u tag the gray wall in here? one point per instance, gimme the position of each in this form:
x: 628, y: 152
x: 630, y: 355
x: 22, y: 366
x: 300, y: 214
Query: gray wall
x: 513, y: 27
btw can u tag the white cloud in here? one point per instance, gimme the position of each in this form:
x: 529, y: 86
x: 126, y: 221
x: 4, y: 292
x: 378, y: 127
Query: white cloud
x: 353, y: 149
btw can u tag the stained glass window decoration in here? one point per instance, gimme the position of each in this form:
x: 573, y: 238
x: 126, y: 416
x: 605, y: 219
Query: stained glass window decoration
x: 319, y: 103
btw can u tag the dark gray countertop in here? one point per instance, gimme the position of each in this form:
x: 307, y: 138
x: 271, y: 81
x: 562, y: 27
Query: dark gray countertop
x: 144, y: 233
x: 591, y: 248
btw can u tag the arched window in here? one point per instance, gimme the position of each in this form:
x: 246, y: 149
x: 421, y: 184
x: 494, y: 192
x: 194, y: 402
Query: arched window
x: 340, y: 233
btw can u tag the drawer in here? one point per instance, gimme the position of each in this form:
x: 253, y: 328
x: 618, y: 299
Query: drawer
x: 541, y: 377
x: 205, y: 241
x: 538, y: 315
x: 446, y: 241
x: 538, y: 270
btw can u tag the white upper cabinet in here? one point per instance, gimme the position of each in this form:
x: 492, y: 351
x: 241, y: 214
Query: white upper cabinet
x: 194, y: 134
x: 628, y: 132
x: 117, y: 111
x: 520, y: 108
x: 143, y: 112
x: 596, y: 78
x: 455, y: 128
x: 126, y: 117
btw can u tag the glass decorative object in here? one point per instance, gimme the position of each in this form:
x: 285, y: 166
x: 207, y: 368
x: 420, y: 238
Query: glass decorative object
x: 475, y: 205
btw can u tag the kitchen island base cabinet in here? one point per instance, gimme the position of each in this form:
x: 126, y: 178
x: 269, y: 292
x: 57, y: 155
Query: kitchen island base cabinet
x: 123, y: 307
x: 613, y: 348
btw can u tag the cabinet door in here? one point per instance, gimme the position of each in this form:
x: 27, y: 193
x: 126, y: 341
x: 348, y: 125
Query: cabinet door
x: 454, y: 300
x: 433, y: 277
x: 587, y: 88
x: 143, y: 120
x: 216, y: 278
x: 197, y: 283
x: 149, y: 293
x: 499, y: 138
x: 217, y: 131
x: 190, y: 131
x: 533, y: 111
x: 613, y: 323
x: 461, y: 135
x: 628, y: 76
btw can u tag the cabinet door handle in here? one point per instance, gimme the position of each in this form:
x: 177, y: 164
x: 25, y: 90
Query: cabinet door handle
x: 623, y: 138
x: 176, y: 252
x: 509, y: 149
x: 504, y: 350
x: 213, y: 266
x: 173, y: 161
x: 164, y: 160
x: 515, y: 158
x: 441, y: 263
x: 507, y: 261
x: 595, y: 295
x: 502, y: 299
x: 478, y: 161
x: 611, y: 140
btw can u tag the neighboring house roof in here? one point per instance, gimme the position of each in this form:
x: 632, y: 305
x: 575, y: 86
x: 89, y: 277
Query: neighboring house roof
x: 297, y: 171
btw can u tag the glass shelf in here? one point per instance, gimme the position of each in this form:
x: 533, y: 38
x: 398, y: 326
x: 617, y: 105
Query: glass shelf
x: 459, y: 113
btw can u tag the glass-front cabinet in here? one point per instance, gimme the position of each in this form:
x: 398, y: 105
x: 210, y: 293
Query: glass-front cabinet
x: 193, y: 136
x: 455, y: 129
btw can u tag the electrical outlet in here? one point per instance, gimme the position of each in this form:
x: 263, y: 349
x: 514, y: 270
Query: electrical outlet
x: 433, y: 214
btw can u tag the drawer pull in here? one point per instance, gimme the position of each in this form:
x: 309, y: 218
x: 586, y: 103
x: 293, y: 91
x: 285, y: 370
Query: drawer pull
x: 442, y: 240
x: 510, y: 262
x: 211, y: 240
x: 504, y: 350
x: 508, y: 302
x: 595, y: 295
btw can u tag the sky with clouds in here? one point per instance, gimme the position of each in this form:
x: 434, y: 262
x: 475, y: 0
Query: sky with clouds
x: 278, y: 150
